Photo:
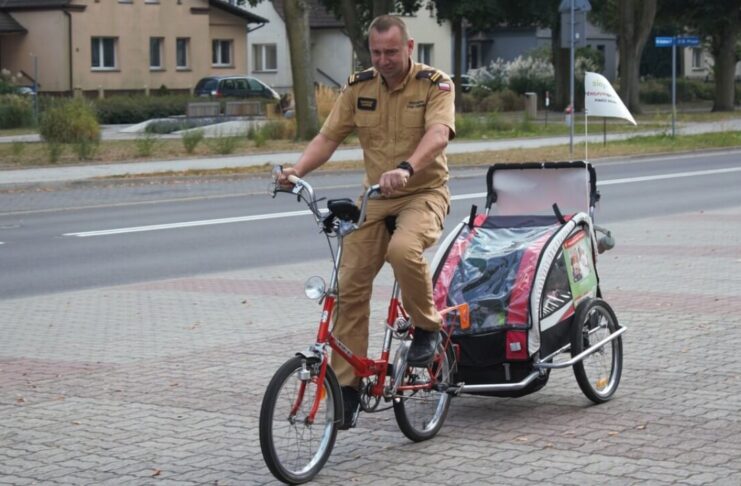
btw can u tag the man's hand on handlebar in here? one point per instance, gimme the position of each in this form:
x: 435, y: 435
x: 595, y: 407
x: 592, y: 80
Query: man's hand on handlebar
x: 393, y: 180
x: 283, y: 177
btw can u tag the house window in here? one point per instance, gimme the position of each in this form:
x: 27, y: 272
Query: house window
x: 424, y: 53
x: 266, y: 57
x: 182, y: 54
x: 696, y: 58
x: 221, y: 52
x: 156, y: 45
x: 103, y: 51
x: 474, y: 56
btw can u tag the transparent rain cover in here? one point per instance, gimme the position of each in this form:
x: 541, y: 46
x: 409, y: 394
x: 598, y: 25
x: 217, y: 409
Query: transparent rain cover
x: 491, y: 269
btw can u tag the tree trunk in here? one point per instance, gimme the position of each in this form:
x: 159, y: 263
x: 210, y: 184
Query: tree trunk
x: 723, y: 49
x: 636, y: 21
x: 297, y: 30
x: 457, y: 26
x: 561, y: 69
x: 355, y: 32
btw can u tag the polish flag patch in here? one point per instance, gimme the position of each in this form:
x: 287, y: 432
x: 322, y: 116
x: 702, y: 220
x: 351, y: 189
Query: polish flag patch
x: 443, y: 86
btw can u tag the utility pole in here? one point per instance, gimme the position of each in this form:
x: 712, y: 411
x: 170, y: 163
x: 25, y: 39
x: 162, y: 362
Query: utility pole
x: 571, y: 81
x: 577, y: 37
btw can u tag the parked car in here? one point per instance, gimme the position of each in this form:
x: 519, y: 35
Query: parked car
x: 235, y: 87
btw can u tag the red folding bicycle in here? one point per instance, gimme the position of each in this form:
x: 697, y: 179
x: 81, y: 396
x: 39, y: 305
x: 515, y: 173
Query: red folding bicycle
x: 302, y: 405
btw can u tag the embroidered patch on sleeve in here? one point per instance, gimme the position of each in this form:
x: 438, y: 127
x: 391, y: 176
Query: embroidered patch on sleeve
x: 443, y: 86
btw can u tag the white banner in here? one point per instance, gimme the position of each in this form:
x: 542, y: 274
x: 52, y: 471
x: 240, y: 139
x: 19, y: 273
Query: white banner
x: 600, y: 99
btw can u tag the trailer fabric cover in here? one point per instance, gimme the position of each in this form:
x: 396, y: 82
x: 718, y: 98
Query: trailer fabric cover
x: 491, y: 268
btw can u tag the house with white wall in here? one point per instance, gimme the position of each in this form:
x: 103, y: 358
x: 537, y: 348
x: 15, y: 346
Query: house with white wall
x: 331, y: 49
x: 697, y: 63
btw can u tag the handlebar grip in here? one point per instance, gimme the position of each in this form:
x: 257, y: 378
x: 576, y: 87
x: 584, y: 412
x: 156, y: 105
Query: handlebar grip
x: 293, y: 179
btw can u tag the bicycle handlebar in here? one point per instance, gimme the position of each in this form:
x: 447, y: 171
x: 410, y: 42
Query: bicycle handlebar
x: 300, y: 185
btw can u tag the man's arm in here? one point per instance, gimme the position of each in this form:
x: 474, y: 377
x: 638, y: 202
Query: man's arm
x: 433, y: 142
x: 319, y: 150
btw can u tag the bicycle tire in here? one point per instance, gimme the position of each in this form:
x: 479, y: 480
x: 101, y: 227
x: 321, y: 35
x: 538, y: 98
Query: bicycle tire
x: 285, y: 438
x: 598, y: 374
x: 421, y: 414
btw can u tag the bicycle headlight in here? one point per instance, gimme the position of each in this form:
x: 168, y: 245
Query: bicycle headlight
x: 314, y: 288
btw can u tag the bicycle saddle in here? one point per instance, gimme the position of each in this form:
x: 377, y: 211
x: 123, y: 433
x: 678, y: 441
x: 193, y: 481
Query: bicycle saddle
x: 344, y: 209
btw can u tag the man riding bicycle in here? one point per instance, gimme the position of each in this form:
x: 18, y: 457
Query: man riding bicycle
x: 403, y: 113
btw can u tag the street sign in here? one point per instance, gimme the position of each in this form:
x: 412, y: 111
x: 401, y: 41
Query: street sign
x: 687, y: 41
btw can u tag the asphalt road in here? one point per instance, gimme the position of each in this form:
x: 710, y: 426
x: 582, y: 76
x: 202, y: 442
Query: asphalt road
x: 46, y: 245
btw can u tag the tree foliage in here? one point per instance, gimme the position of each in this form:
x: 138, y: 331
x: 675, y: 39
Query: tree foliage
x: 357, y: 16
x: 718, y: 22
x: 633, y: 22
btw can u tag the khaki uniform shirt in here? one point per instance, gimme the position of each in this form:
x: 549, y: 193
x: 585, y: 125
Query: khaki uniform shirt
x: 390, y: 124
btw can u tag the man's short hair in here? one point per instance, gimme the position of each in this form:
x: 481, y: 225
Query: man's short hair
x: 383, y: 23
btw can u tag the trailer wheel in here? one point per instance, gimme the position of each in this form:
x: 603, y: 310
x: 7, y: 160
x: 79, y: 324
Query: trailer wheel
x: 598, y: 374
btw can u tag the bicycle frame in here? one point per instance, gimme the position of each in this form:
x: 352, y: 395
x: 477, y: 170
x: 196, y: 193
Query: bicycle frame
x: 364, y: 367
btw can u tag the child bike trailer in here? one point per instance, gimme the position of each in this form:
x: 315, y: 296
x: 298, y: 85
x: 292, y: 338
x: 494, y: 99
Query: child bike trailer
x: 519, y: 288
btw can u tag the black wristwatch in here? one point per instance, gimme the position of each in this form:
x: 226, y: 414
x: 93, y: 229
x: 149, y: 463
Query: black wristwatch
x: 407, y: 167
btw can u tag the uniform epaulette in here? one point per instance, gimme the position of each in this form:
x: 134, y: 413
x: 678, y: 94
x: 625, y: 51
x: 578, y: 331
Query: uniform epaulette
x: 431, y: 74
x: 361, y: 76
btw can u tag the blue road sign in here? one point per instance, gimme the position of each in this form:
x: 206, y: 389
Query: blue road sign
x: 687, y: 41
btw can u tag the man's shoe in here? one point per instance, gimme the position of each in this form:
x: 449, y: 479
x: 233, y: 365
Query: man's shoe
x: 423, y: 347
x: 350, y: 408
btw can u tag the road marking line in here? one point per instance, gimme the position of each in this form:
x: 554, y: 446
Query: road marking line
x: 290, y: 214
x: 676, y: 175
x: 188, y: 224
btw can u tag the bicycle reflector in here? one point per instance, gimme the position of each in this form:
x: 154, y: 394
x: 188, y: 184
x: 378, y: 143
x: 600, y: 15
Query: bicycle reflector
x: 314, y: 287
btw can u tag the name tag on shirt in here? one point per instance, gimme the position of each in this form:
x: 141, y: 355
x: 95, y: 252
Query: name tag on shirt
x: 368, y: 104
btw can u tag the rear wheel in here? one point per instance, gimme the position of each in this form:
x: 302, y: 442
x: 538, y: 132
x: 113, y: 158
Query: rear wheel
x: 422, y: 402
x: 294, y: 449
x: 598, y: 374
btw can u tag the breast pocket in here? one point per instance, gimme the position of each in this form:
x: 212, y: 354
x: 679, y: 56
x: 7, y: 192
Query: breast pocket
x: 368, y: 128
x: 413, y: 128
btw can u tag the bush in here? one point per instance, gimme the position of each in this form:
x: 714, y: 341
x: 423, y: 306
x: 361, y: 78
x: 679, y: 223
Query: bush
x: 15, y: 111
x: 145, y: 144
x: 530, y: 74
x: 54, y: 151
x: 139, y: 108
x: 224, y: 144
x: 70, y: 122
x: 505, y: 100
x: 191, y: 139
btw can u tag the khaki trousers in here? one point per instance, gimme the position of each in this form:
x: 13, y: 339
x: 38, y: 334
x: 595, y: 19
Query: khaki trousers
x: 419, y: 223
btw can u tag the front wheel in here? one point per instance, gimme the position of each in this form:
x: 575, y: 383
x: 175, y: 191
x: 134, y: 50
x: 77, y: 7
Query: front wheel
x: 295, y: 448
x: 422, y: 401
x: 598, y: 374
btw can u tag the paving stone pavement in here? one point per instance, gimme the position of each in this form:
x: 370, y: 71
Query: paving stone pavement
x: 161, y: 382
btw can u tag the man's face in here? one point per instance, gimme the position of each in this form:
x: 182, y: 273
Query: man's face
x: 390, y: 54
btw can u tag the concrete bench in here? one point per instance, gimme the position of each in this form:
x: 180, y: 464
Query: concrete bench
x: 244, y: 108
x: 203, y: 108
